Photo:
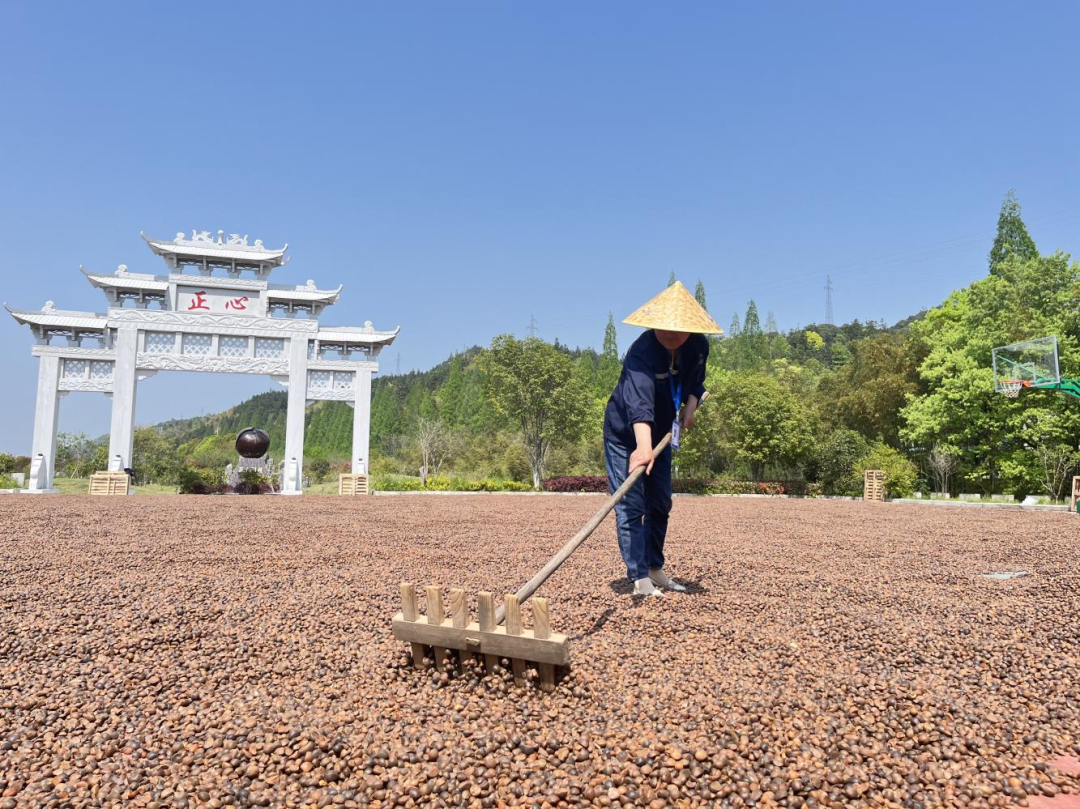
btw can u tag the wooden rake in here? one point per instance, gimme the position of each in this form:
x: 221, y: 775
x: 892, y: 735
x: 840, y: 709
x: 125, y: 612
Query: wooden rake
x: 485, y: 641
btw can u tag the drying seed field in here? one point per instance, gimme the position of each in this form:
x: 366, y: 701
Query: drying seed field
x: 189, y: 652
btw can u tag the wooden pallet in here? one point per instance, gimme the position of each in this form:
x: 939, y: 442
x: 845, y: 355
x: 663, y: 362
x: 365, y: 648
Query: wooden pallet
x: 481, y: 641
x: 352, y: 484
x: 874, y: 485
x: 109, y: 483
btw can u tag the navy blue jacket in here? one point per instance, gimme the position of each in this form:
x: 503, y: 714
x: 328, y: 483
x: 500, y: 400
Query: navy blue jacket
x: 644, y: 389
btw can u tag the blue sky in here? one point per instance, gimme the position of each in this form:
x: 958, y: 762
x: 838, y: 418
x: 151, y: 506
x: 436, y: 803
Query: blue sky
x: 462, y: 167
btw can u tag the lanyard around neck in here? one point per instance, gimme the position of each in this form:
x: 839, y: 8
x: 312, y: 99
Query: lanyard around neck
x: 676, y: 390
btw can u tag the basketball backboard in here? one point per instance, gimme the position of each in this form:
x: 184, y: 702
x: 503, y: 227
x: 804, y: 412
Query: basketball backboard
x: 1029, y: 364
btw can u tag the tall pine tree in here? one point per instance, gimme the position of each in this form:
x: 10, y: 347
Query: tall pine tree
x: 610, y: 367
x: 752, y: 340
x: 751, y: 323
x: 451, y: 394
x: 699, y: 294
x: 1012, y: 236
x: 611, y: 345
x: 734, y: 329
x: 671, y: 278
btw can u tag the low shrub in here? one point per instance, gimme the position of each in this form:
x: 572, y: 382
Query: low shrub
x: 252, y: 482
x: 8, y: 482
x: 193, y: 480
x: 691, y: 486
x: 395, y: 483
x: 403, y: 483
x: 901, y: 473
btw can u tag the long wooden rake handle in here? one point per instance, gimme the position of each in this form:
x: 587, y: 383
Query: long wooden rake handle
x: 533, y: 584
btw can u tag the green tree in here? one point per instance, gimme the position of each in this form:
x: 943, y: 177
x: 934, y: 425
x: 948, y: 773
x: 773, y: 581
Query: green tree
x: 867, y: 393
x: 734, y: 329
x: 75, y: 454
x: 387, y: 419
x: 611, y: 338
x: 610, y: 367
x: 671, y: 279
x: 699, y: 294
x: 534, y: 385
x: 839, y: 354
x: 762, y: 423
x: 154, y: 458
x: 753, y: 347
x: 995, y: 436
x: 835, y: 460
x: 900, y: 473
x: 451, y: 395
x: 1012, y: 237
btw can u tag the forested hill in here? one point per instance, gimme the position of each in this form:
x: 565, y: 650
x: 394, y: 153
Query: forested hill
x: 454, y: 388
x: 328, y: 429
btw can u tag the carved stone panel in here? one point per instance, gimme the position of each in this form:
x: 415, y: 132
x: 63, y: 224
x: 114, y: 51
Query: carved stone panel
x: 233, y: 365
x: 206, y: 322
x: 94, y: 385
x: 331, y: 394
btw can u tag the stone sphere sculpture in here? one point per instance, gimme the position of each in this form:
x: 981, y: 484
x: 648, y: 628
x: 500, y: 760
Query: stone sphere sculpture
x: 252, y: 443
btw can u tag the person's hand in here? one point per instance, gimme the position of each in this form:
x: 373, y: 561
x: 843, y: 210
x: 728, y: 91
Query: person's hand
x: 689, y: 413
x: 689, y: 417
x: 642, y: 456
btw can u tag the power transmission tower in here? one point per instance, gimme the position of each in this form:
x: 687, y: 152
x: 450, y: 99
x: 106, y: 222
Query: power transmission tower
x: 398, y: 371
x: 828, y: 300
x: 532, y: 326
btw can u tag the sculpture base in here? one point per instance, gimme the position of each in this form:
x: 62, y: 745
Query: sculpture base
x: 39, y: 491
x: 289, y: 494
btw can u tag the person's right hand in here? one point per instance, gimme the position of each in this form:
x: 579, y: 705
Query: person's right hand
x: 642, y: 456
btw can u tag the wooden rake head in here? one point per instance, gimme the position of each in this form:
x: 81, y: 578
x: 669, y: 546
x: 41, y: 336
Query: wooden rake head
x: 481, y: 641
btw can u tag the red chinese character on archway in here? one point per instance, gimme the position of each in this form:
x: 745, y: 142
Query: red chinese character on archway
x: 237, y: 303
x: 199, y: 302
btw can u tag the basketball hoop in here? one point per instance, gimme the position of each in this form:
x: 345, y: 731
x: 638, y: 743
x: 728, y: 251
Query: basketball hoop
x: 1011, y: 388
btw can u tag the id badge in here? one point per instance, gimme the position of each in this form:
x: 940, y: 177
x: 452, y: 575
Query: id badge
x: 675, y: 428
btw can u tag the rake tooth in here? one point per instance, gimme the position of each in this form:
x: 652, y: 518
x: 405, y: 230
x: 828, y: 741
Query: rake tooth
x: 513, y: 627
x: 459, y: 614
x: 542, y: 630
x: 485, y: 602
x: 408, y: 612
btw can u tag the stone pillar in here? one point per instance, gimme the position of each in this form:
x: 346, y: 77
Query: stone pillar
x: 361, y: 423
x: 46, y: 415
x: 122, y: 428
x: 293, y: 479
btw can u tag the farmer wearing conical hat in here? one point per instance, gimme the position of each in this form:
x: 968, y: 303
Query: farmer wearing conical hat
x: 664, y: 371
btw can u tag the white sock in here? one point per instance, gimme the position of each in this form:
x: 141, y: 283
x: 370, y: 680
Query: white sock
x: 658, y: 576
x: 645, y: 587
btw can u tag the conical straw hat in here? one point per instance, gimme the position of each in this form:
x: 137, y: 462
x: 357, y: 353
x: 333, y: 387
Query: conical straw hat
x: 674, y: 309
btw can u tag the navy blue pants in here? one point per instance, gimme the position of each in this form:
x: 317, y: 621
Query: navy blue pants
x: 641, y: 517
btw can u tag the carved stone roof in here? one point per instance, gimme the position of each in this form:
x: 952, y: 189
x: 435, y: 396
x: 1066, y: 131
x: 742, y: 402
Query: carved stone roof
x: 303, y: 293
x: 59, y: 318
x: 226, y: 249
x: 127, y: 280
x: 355, y: 334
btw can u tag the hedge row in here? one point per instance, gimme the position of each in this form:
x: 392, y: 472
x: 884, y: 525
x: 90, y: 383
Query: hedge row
x: 596, y: 483
x: 399, y: 483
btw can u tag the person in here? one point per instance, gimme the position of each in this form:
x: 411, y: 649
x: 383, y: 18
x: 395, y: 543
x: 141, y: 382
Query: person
x: 661, y: 385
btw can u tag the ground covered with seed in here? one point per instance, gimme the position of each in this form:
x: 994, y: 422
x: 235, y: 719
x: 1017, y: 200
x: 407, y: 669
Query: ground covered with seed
x: 186, y: 651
